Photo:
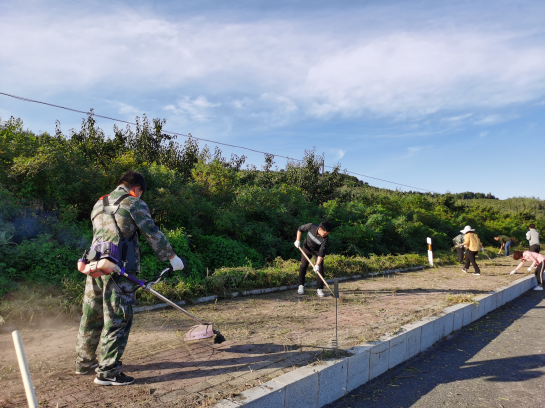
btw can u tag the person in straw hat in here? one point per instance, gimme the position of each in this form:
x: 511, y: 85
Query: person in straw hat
x: 473, y: 245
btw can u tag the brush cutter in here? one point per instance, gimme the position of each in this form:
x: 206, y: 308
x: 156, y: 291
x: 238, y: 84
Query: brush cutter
x: 199, y: 332
x: 321, y: 277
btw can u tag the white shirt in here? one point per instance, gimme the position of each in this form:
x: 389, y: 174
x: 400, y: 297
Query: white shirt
x: 533, y: 237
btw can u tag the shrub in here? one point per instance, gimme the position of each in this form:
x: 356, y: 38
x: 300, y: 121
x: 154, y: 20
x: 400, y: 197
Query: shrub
x: 217, y: 252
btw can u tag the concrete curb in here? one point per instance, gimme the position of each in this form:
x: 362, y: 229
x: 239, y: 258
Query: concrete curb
x: 140, y: 309
x: 319, y: 385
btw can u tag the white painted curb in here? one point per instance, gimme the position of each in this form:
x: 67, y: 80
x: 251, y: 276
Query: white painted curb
x: 316, y: 386
x: 269, y: 290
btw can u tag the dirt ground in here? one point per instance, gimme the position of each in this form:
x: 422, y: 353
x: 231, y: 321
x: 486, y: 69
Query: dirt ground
x: 267, y: 335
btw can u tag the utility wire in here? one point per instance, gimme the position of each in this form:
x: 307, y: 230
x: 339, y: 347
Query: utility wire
x: 132, y: 123
x: 197, y: 138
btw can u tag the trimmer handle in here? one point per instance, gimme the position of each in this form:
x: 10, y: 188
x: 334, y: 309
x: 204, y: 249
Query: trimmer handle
x: 134, y: 279
x: 142, y: 283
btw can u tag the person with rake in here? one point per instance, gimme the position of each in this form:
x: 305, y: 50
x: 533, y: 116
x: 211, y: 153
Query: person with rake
x: 473, y: 246
x: 315, y: 245
x: 505, y: 242
x: 536, y: 259
x: 108, y: 300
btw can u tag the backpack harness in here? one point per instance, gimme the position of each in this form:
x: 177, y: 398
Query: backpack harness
x: 127, y: 260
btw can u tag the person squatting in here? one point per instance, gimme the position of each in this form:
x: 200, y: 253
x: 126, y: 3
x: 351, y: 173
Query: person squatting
x: 108, y: 301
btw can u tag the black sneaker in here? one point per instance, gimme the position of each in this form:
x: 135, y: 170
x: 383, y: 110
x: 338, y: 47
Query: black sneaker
x: 119, y: 379
x: 84, y: 370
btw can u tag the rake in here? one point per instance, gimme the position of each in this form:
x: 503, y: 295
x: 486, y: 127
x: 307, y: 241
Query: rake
x: 319, y: 274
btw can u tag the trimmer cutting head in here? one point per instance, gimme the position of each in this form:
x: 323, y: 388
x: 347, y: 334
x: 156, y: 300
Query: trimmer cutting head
x: 204, y: 331
x: 199, y: 332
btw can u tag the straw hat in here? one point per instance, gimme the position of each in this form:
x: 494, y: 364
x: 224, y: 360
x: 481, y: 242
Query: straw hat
x: 467, y: 228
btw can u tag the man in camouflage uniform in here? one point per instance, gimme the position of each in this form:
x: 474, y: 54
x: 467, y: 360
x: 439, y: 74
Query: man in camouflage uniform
x: 109, y: 299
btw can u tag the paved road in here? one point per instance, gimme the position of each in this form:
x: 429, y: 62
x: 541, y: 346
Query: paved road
x: 498, y: 361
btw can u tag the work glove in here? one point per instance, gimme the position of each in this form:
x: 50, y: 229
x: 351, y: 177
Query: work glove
x: 176, y: 263
x: 530, y: 269
x: 316, y: 268
x: 297, y: 244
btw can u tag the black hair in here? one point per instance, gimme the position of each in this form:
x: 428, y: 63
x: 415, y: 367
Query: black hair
x: 133, y: 179
x: 326, y: 226
x: 531, y: 226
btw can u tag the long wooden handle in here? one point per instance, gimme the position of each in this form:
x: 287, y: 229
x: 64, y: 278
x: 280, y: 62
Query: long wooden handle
x: 321, y: 277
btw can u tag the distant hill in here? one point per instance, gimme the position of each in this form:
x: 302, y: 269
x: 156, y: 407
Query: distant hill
x: 532, y: 206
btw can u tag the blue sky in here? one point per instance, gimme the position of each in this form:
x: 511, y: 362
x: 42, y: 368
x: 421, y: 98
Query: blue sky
x: 447, y: 96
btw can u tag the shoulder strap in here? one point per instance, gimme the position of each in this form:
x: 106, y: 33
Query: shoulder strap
x: 111, y: 209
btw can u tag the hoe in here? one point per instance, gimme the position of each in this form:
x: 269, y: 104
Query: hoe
x: 199, y: 332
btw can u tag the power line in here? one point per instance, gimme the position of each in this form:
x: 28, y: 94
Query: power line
x: 134, y: 124
x: 204, y: 140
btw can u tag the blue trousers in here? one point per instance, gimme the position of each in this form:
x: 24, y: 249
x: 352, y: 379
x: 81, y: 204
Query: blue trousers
x: 507, y: 245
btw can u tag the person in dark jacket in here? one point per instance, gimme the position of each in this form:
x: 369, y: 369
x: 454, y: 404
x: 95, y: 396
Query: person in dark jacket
x: 315, y: 245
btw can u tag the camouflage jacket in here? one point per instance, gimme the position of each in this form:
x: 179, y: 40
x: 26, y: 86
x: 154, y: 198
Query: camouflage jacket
x: 132, y: 217
x: 458, y: 240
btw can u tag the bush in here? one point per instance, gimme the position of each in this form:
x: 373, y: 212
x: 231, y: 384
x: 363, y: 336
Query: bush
x: 150, y: 265
x: 214, y: 213
x: 217, y: 252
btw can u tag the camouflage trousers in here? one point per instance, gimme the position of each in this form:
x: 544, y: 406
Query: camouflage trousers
x: 105, y: 324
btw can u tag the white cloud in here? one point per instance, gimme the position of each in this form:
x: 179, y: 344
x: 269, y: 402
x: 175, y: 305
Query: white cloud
x: 494, y: 119
x: 275, y: 71
x: 412, y: 151
x: 126, y: 109
x: 414, y: 75
x: 457, y: 119
x: 483, y: 134
x: 198, y: 109
x: 334, y: 154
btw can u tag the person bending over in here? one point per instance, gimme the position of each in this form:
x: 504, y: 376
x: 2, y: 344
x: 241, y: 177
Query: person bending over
x: 536, y: 259
x: 459, y: 244
x: 108, y: 301
x: 315, y: 245
x: 505, y: 242
x: 533, y: 237
x: 473, y: 245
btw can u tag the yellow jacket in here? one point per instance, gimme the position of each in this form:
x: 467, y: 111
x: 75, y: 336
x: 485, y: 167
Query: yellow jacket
x: 472, y: 242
